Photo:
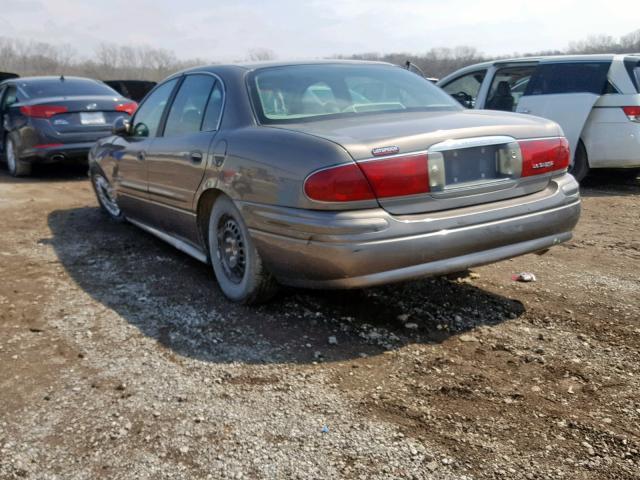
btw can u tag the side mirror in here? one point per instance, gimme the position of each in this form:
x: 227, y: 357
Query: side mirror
x: 121, y: 127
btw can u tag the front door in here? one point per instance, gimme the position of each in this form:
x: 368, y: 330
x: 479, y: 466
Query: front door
x: 179, y: 155
x: 130, y: 153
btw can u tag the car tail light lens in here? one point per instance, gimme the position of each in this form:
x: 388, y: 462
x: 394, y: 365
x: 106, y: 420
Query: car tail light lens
x: 344, y: 183
x: 379, y: 178
x: 42, y: 111
x: 129, y: 108
x: 632, y: 113
x: 544, y: 155
x: 398, y: 176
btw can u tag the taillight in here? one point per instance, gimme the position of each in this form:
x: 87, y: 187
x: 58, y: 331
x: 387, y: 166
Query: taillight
x: 367, y: 180
x: 544, y: 155
x: 632, y: 113
x: 42, y: 111
x: 344, y: 183
x: 129, y: 108
x: 398, y: 176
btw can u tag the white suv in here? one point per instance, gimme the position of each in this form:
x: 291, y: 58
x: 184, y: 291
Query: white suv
x: 594, y: 98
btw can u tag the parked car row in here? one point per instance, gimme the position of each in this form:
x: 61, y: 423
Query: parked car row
x: 52, y: 119
x: 594, y: 98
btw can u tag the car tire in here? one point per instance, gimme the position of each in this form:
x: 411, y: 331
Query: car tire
x: 106, y: 199
x: 237, y: 265
x: 580, y: 168
x: 16, y: 167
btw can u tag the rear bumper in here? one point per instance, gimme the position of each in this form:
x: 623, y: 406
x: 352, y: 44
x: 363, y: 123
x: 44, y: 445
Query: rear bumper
x: 371, y: 247
x: 69, y: 151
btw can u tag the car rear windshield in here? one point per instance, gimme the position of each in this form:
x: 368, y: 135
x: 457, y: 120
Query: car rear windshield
x: 301, y: 93
x: 69, y: 87
x: 575, y: 77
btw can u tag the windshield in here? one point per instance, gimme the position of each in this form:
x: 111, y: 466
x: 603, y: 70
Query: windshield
x: 69, y: 87
x: 310, y: 92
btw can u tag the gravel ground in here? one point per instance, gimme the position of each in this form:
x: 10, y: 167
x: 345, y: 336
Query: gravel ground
x: 119, y: 358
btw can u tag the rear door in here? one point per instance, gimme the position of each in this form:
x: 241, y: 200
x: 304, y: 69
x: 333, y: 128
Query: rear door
x: 566, y: 92
x: 178, y: 157
x: 508, y: 84
x: 130, y: 174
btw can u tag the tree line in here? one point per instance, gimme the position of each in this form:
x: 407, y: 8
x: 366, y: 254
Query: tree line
x: 113, y: 62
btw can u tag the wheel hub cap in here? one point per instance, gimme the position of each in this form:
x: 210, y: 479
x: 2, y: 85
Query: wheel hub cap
x: 231, y: 249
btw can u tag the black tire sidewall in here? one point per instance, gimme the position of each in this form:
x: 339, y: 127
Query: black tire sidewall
x: 238, y: 292
x: 580, y: 167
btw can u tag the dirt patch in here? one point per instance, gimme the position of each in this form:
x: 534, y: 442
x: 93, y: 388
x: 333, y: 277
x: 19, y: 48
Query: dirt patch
x: 119, y: 358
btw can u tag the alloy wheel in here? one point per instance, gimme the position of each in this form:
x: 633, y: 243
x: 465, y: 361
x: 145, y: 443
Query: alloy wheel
x: 10, y: 155
x: 106, y: 196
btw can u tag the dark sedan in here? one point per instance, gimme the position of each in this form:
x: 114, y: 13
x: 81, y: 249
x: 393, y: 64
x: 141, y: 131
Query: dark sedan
x: 332, y: 175
x: 51, y: 119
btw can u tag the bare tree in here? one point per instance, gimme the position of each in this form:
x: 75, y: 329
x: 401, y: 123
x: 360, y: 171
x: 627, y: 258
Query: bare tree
x: 261, y: 54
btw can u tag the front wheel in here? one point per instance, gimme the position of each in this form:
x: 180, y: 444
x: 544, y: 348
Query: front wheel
x: 106, y: 197
x: 16, y: 167
x: 237, y: 264
x: 580, y: 167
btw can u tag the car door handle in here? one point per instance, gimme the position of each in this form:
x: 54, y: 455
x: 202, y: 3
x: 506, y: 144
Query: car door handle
x: 141, y: 156
x: 196, y: 157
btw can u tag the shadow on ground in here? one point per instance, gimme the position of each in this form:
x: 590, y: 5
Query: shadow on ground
x: 53, y: 172
x: 175, y: 300
x: 604, y: 183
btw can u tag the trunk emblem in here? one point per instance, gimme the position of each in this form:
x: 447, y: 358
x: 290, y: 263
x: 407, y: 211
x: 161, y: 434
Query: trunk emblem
x: 380, y: 151
x: 92, y: 106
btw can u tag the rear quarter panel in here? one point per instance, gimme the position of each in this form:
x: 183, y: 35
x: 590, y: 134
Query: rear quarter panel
x: 269, y: 165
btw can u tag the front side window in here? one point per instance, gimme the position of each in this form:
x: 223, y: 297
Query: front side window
x: 465, y: 88
x: 310, y: 92
x: 147, y: 118
x: 577, y: 77
x: 188, y: 108
x: 507, y: 86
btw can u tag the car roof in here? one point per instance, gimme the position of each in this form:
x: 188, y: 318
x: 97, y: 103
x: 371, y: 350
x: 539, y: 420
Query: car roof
x: 598, y: 57
x: 49, y: 77
x: 248, y: 66
x: 555, y: 58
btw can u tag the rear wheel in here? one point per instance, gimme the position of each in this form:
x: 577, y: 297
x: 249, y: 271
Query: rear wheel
x: 580, y: 167
x: 16, y: 167
x: 106, y: 197
x: 236, y: 262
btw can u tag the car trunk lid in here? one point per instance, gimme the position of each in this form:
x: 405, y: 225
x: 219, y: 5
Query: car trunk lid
x: 466, y: 145
x: 80, y: 115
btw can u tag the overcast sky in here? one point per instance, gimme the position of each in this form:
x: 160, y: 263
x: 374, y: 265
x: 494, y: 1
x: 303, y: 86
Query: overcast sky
x: 227, y: 30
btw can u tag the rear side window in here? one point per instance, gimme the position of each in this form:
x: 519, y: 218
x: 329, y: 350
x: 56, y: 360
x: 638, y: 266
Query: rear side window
x: 214, y: 109
x: 579, y: 77
x: 633, y: 67
x: 65, y: 87
x: 187, y: 111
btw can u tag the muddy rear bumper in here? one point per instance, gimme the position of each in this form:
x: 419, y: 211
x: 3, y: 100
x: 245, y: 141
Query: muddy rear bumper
x: 371, y: 247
